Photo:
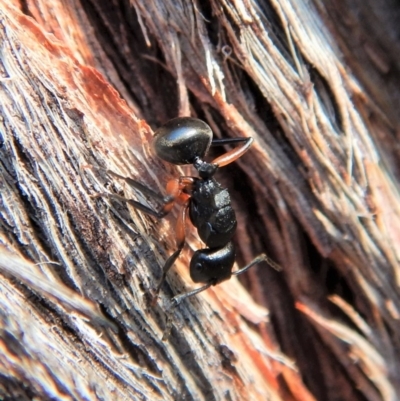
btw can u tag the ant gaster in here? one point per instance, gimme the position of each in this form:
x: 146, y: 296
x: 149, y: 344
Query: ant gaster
x: 186, y: 140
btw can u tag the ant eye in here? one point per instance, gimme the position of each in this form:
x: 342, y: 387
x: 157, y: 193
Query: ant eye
x: 182, y: 140
x: 199, y: 266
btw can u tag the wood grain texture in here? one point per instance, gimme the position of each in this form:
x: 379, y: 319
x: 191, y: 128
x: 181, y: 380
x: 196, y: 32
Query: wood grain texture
x: 83, y: 83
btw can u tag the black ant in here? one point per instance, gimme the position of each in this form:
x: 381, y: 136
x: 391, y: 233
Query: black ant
x: 186, y: 140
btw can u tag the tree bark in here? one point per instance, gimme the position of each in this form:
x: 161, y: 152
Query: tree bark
x: 83, y: 84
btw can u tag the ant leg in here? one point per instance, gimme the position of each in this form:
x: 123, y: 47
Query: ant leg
x: 137, y: 205
x: 175, y: 301
x: 260, y: 258
x: 180, y: 240
x: 227, y: 141
x: 174, y: 189
x: 233, y: 154
x: 133, y: 183
x: 142, y: 188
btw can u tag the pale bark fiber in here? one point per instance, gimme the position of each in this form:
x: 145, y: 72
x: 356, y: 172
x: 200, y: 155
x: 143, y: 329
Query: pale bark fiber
x: 316, y: 86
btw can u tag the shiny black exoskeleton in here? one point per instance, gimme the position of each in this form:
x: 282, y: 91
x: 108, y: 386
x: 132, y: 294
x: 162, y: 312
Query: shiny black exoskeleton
x: 186, y: 140
x: 211, y: 213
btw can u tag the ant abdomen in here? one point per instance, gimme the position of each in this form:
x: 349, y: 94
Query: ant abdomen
x: 182, y: 140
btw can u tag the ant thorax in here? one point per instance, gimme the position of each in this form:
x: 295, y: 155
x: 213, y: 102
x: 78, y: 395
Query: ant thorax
x: 211, y: 212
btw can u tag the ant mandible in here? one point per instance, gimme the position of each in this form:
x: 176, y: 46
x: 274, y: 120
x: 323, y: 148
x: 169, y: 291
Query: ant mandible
x: 186, y: 140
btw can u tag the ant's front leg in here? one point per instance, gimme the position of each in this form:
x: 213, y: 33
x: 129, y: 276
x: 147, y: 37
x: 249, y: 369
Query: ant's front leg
x: 260, y: 258
x: 177, y: 299
x: 174, y: 302
x: 142, y: 188
x: 180, y: 241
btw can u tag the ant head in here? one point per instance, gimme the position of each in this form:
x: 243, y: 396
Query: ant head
x: 182, y: 140
x: 213, y: 265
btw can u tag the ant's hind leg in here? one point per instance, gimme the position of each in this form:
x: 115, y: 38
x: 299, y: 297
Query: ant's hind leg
x: 141, y: 187
x: 137, y: 205
x: 165, y: 200
x: 233, y: 154
x: 174, y: 190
